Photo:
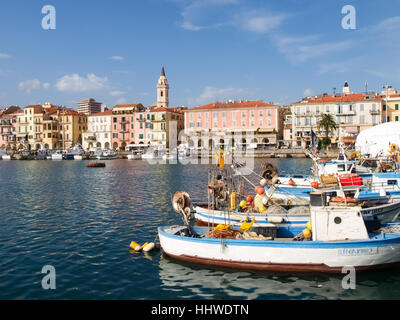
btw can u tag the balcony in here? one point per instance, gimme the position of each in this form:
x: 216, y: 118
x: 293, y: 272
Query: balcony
x: 346, y: 113
x: 374, y: 112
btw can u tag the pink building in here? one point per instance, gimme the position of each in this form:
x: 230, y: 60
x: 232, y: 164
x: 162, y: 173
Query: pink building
x: 234, y: 123
x: 125, y: 125
x: 8, y: 126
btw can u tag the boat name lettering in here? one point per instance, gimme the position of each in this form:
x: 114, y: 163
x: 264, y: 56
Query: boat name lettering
x: 357, y: 251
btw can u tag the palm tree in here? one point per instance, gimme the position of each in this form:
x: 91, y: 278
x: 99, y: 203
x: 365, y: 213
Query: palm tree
x: 327, y: 123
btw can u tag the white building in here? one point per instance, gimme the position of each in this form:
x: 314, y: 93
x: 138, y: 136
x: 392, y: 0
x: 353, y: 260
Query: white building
x: 99, y: 131
x: 353, y: 113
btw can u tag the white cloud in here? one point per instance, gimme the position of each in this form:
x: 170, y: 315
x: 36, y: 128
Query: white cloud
x: 28, y: 85
x: 46, y: 85
x: 76, y: 83
x: 4, y: 56
x: 259, y: 21
x: 213, y: 94
x: 308, y: 92
x: 205, y: 14
x: 121, y: 101
x: 117, y: 58
x: 117, y: 93
x: 302, y: 49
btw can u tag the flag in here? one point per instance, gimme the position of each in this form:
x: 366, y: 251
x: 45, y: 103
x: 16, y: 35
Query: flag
x: 315, y: 142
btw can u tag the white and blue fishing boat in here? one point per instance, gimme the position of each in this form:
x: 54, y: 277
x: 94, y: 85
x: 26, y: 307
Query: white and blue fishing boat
x: 339, y: 238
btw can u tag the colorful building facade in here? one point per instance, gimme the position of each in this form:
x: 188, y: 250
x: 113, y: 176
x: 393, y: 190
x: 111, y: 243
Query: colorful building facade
x: 8, y: 127
x: 247, y: 122
x: 352, y: 113
x: 99, y: 131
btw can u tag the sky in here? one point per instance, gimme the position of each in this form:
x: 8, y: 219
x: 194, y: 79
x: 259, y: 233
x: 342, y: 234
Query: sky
x: 212, y: 50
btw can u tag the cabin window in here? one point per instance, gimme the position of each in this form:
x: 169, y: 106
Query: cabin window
x: 392, y: 182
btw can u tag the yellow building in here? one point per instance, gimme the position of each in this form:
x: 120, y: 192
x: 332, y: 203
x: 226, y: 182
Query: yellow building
x: 166, y: 124
x: 393, y: 111
x: 50, y: 127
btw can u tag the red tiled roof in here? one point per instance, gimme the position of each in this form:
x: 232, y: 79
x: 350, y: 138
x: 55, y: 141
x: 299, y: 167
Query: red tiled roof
x: 233, y: 105
x: 104, y: 113
x: 175, y: 110
x: 331, y: 98
x: 132, y: 105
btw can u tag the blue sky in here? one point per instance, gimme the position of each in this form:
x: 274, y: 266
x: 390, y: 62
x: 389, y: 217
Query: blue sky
x: 212, y: 50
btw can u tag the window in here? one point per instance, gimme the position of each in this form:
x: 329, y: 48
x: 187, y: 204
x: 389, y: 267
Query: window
x: 260, y: 113
x: 191, y: 116
x: 141, y: 117
x: 243, y: 123
x: 198, y: 124
x: 199, y: 115
x: 252, y: 123
x: 148, y: 116
x: 223, y: 114
x: 243, y: 114
x: 234, y: 123
x: 252, y: 113
x: 206, y: 115
x: 362, y: 119
x: 131, y: 134
x: 384, y: 107
x: 260, y: 123
x: 114, y: 119
x: 131, y: 125
x: 140, y: 135
x: 215, y: 115
x: 396, y: 106
x: 327, y: 108
x: 191, y: 125
x: 396, y: 118
x: 224, y: 123
x: 269, y: 122
x: 269, y: 112
x: 362, y: 107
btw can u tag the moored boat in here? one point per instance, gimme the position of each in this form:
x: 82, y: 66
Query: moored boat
x: 339, y: 239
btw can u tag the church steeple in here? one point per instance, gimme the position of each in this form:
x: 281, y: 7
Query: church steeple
x: 162, y: 90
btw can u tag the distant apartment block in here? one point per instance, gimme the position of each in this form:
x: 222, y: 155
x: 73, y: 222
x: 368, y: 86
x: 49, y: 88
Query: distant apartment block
x: 89, y: 106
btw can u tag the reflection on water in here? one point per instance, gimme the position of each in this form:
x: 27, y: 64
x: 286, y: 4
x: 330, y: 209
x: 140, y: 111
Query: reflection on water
x: 81, y: 220
x: 192, y: 281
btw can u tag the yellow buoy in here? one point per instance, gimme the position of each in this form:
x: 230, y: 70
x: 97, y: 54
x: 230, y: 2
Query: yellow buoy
x: 149, y: 247
x: 247, y: 225
x: 307, y: 233
x: 138, y: 248
x: 133, y: 245
x: 309, y: 227
x: 243, y: 204
x: 222, y: 227
x: 261, y: 209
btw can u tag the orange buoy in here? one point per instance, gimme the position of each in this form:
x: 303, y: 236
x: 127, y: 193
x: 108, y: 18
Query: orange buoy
x: 249, y: 199
x: 291, y: 182
x: 260, y: 190
x: 314, y: 184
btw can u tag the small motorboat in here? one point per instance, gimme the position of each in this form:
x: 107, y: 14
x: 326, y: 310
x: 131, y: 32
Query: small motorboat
x: 96, y: 164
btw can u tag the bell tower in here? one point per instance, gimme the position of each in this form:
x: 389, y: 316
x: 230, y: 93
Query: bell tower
x: 162, y: 90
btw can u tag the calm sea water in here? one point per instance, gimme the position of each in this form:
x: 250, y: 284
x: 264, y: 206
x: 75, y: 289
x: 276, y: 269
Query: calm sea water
x: 81, y: 221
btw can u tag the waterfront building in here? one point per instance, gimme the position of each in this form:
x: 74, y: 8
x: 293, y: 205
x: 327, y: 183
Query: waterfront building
x: 393, y: 105
x: 287, y: 130
x: 166, y: 124
x: 352, y: 112
x: 8, y: 127
x: 99, y: 131
x: 89, y: 106
x: 50, y: 127
x: 235, y: 123
x: 124, y: 123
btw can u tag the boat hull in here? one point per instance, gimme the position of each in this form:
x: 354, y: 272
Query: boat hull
x: 286, y: 256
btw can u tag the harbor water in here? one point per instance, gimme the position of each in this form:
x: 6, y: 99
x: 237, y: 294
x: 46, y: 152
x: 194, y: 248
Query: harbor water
x: 81, y: 221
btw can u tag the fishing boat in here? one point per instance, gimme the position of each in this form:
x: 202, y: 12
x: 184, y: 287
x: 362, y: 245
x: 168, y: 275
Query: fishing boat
x: 336, y: 237
x: 107, y: 155
x: 57, y: 155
